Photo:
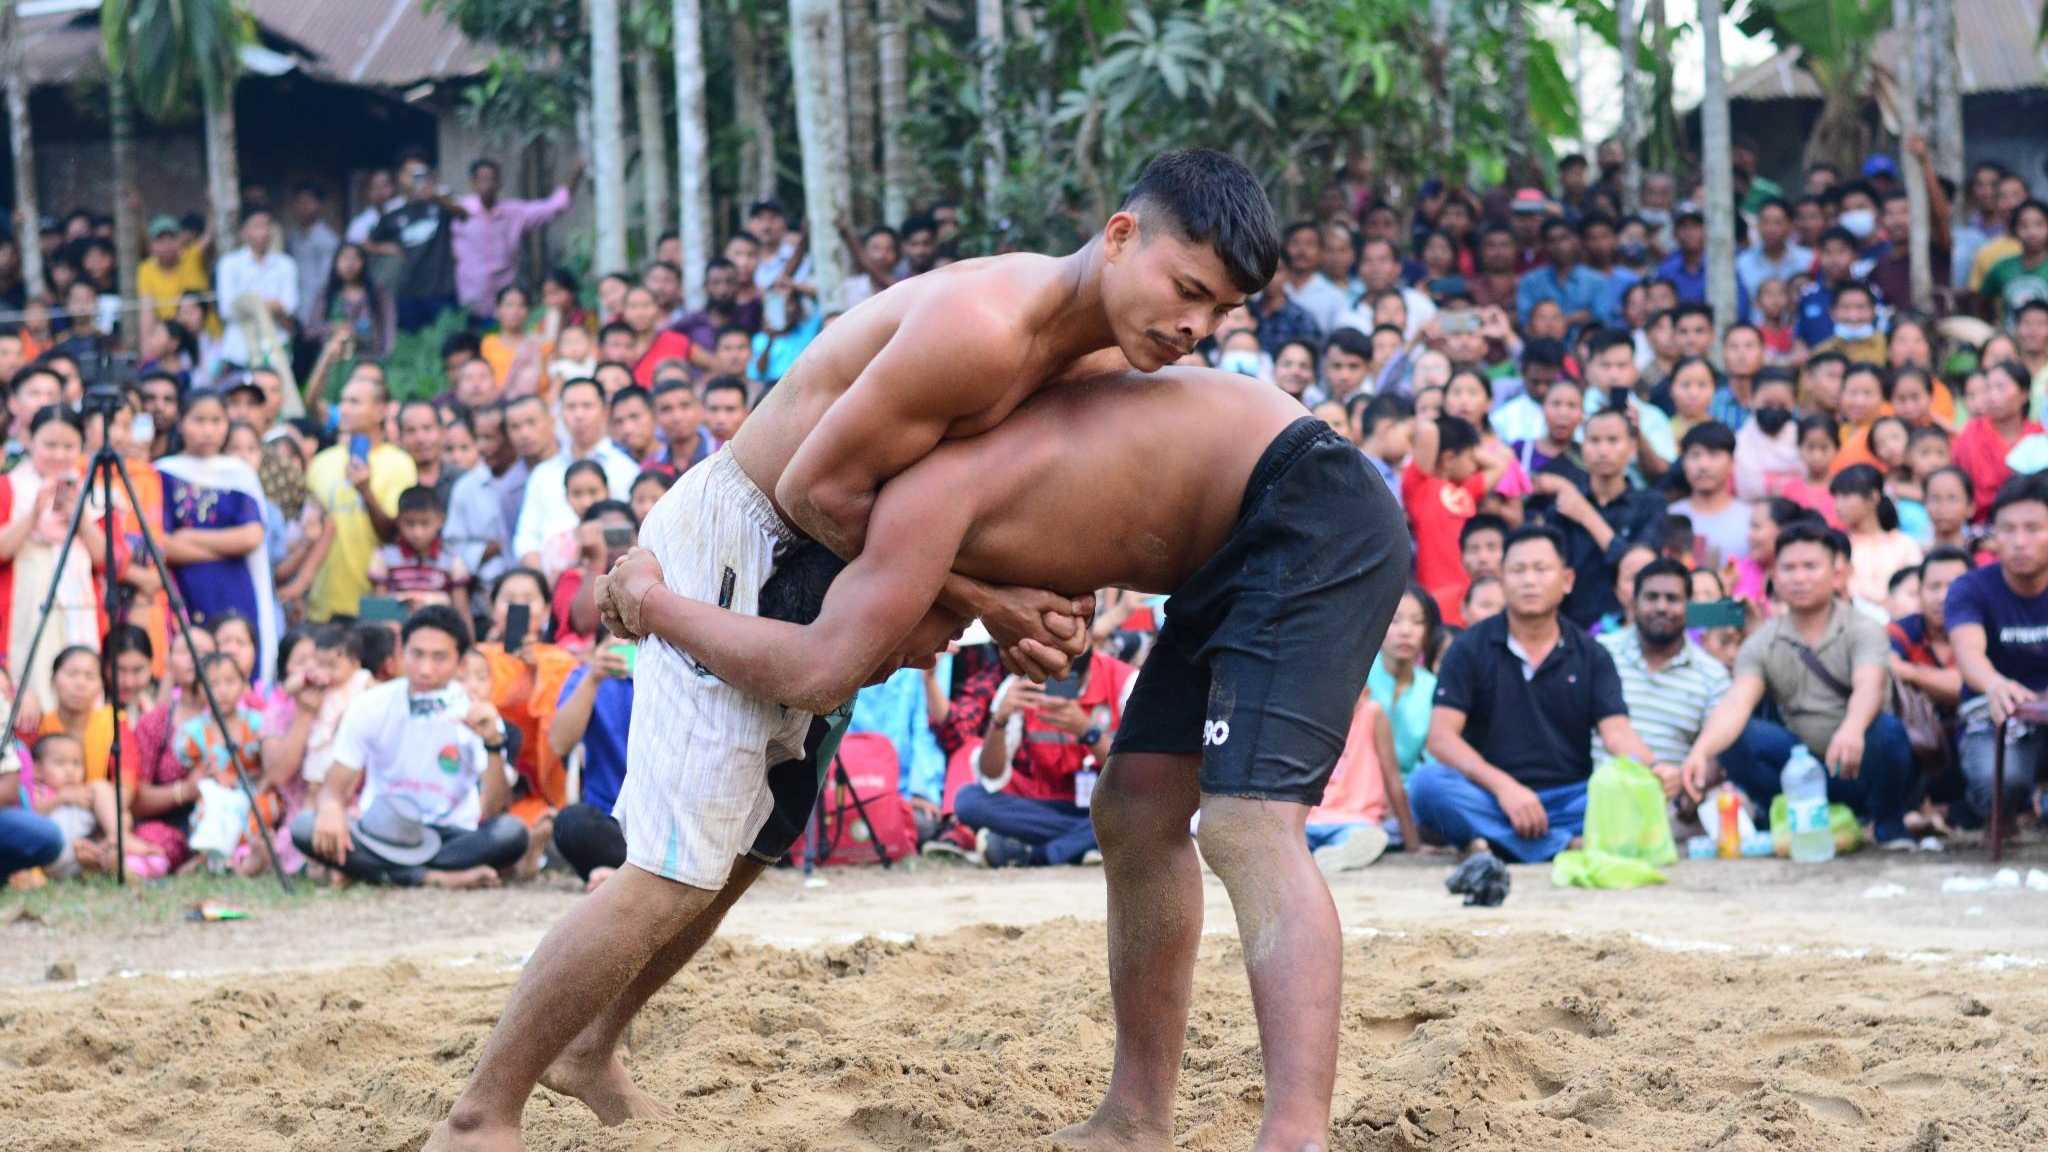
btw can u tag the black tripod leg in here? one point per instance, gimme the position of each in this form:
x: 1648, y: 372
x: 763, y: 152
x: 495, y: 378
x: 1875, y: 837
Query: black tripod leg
x: 43, y: 614
x: 874, y: 839
x: 105, y: 474
x: 183, y: 619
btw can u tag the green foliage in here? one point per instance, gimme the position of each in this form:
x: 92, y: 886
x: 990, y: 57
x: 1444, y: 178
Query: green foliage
x: 174, y: 52
x: 1834, y: 38
x: 414, y: 367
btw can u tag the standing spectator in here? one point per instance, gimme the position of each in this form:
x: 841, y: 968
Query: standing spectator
x: 1023, y: 803
x: 594, y: 712
x: 434, y: 782
x: 349, y: 302
x: 213, y: 530
x: 1440, y: 491
x: 1576, y: 289
x: 380, y: 195
x: 876, y: 257
x: 419, y: 232
x: 725, y: 407
x: 1519, y: 698
x: 1670, y: 684
x: 1379, y: 270
x: 1997, y: 620
x: 685, y: 439
x: 638, y: 339
x: 487, y: 231
x: 721, y: 309
x: 1303, y: 280
x: 1823, y: 664
x: 768, y: 223
x: 1598, y: 521
x: 313, y: 245
x: 1836, y: 267
x: 171, y: 270
x: 359, y: 495
x: 1775, y: 256
x: 2022, y: 276
x: 40, y: 493
x: 545, y: 511
x: 259, y: 269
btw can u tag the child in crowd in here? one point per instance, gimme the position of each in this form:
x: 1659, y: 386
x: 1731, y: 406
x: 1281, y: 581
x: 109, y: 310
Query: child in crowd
x: 377, y: 645
x: 416, y: 568
x: 1891, y: 441
x: 56, y: 788
x: 1707, y: 457
x: 648, y: 489
x: 222, y: 832
x: 1384, y: 429
x: 1692, y: 395
x: 1483, y: 598
x: 340, y: 656
x: 1775, y: 317
x: 1480, y: 543
x: 1863, y: 401
x: 235, y: 638
x: 1440, y: 491
x: 1950, y: 499
x: 1563, y: 410
x: 1902, y: 599
x: 1876, y: 546
x: 1752, y: 572
x: 1820, y: 438
x: 585, y: 485
x: 1913, y: 398
x: 575, y: 357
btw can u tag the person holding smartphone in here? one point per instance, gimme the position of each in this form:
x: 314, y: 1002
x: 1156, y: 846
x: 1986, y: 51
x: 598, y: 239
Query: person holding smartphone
x: 419, y: 232
x: 1028, y: 803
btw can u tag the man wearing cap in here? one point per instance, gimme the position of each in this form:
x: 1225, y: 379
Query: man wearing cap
x: 1526, y: 215
x: 171, y: 268
x: 432, y: 764
x: 1687, y: 267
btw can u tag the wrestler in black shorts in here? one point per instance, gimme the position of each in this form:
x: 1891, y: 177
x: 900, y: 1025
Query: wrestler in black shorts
x: 1265, y: 648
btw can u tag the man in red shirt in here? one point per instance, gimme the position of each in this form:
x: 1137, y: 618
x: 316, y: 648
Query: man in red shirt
x: 1035, y: 772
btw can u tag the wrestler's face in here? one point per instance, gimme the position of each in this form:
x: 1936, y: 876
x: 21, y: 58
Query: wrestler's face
x: 1164, y: 294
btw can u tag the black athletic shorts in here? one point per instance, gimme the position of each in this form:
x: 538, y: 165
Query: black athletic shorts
x: 1265, y: 649
x: 795, y: 592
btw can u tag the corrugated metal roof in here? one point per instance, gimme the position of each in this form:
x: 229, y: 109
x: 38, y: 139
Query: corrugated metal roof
x: 1996, y: 50
x: 372, y: 43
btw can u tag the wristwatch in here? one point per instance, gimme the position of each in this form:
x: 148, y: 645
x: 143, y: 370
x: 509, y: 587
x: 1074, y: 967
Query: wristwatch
x: 1090, y: 737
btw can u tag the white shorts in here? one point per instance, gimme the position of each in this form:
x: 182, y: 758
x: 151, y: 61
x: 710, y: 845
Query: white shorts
x: 696, y: 790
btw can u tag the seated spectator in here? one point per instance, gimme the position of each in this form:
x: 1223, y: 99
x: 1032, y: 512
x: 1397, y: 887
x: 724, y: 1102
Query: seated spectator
x: 1822, y: 664
x: 1902, y: 598
x: 526, y: 681
x: 1028, y: 805
x: 219, y: 759
x: 594, y: 711
x: 1997, y: 620
x: 1820, y: 438
x: 1877, y: 548
x: 1367, y: 797
x: 82, y: 712
x: 417, y: 569
x: 28, y: 839
x: 1479, y: 546
x: 1924, y: 665
x: 430, y: 762
x: 1720, y: 522
x: 1767, y: 455
x: 84, y: 812
x: 1998, y: 421
x: 1483, y: 599
x: 1519, y: 698
x: 1669, y: 683
x: 1599, y: 521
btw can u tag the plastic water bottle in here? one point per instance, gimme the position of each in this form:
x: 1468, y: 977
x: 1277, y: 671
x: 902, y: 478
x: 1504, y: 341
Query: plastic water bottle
x: 1805, y: 785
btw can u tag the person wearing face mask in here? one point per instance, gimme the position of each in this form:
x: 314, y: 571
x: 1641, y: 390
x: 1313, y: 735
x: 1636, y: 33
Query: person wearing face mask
x: 1816, y: 324
x: 1767, y: 444
x: 1858, y: 217
x: 1856, y: 334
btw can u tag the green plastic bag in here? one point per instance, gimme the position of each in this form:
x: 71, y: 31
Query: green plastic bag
x: 1625, y: 814
x: 1602, y: 870
x: 1841, y: 821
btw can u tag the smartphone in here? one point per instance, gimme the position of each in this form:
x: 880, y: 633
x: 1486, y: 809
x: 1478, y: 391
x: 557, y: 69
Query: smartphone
x: 1458, y: 322
x: 1067, y: 687
x: 1715, y: 614
x: 380, y: 609
x: 518, y: 617
x: 630, y: 653
x: 618, y: 536
x: 359, y: 447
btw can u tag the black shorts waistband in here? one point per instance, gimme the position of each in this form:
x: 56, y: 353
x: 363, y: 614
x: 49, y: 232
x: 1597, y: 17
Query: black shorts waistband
x: 1290, y: 445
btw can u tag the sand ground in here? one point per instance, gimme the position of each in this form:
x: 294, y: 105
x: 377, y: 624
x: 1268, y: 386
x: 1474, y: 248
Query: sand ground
x: 1747, y: 1005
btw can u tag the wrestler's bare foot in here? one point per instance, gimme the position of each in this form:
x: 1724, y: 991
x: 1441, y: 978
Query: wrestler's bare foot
x: 604, y: 1086
x: 597, y: 876
x: 1101, y: 1134
x: 447, y: 1136
x: 481, y: 876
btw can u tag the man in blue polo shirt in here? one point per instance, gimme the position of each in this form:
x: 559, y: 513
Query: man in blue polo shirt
x: 593, y: 711
x: 1519, y: 698
x: 1997, y: 619
x: 1579, y: 291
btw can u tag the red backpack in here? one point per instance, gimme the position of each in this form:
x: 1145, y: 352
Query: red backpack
x: 870, y: 763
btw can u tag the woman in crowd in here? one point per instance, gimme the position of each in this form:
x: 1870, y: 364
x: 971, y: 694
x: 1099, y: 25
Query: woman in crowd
x: 134, y: 656
x: 1877, y: 548
x: 1820, y: 440
x: 525, y: 684
x: 1294, y: 370
x: 37, y: 500
x: 1951, y: 502
x: 81, y: 712
x: 1469, y: 396
x: 351, y: 301
x: 214, y: 523
x: 1692, y: 395
x: 235, y: 637
x: 1997, y: 424
x: 198, y: 318
x: 561, y: 301
x: 165, y: 792
x: 297, y: 549
x: 517, y: 353
x: 652, y: 343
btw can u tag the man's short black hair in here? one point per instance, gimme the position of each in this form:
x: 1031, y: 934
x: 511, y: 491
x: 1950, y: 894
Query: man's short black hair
x: 1350, y: 340
x: 2025, y: 487
x: 1571, y: 160
x: 1777, y: 202
x: 1385, y: 408
x: 615, y: 326
x: 1857, y: 287
x: 1814, y: 532
x: 2029, y: 306
x: 1481, y: 524
x: 482, y: 163
x: 726, y: 384
x: 672, y: 384
x: 603, y: 508
x: 580, y: 382
x: 373, y: 645
x: 438, y: 618
x: 1604, y: 338
x: 916, y: 224
x: 1663, y: 566
x: 1838, y: 233
x: 1455, y: 434
x: 1528, y: 532
x: 1554, y: 224
x: 463, y: 341
x: 1910, y: 572
x: 1692, y: 308
x: 1711, y: 435
x: 1594, y: 220
x: 420, y: 498
x: 1946, y: 554
x: 1547, y: 352
x: 632, y: 392
x: 1210, y: 198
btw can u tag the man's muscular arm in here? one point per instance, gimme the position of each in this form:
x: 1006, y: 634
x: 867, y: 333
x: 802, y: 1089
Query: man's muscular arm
x: 950, y: 358
x: 868, y: 617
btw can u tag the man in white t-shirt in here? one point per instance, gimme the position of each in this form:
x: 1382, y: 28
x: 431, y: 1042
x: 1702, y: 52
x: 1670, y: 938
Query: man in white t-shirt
x: 431, y: 763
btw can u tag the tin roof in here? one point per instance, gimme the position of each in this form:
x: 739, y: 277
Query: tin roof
x: 1997, y: 50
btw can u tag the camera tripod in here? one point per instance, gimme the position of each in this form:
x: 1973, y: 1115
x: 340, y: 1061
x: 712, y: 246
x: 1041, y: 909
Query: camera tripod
x: 103, y: 400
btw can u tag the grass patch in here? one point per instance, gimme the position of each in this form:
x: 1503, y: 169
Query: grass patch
x: 97, y: 901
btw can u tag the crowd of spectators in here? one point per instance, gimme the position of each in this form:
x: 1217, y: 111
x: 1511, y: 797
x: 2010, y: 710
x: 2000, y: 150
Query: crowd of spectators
x: 1637, y: 531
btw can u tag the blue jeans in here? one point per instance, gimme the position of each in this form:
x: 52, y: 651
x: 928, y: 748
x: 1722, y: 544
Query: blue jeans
x: 1877, y: 794
x: 27, y: 841
x: 1459, y: 812
x: 2022, y: 766
x: 1321, y: 836
x: 1058, y: 833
